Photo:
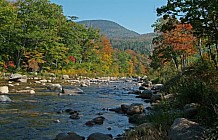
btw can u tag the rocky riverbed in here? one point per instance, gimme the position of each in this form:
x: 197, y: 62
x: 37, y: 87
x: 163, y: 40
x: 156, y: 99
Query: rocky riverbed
x: 43, y: 114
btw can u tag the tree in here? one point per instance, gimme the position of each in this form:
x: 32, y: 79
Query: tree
x: 7, y: 21
x: 36, y: 28
x: 105, y: 52
x: 202, y: 15
x: 176, y: 43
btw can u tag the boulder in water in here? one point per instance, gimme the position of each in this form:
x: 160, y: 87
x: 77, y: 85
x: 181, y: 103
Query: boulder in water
x: 4, y: 98
x: 146, y: 94
x: 72, y: 91
x: 135, y: 109
x: 55, y: 87
x: 70, y: 136
x: 98, y: 120
x: 100, y: 136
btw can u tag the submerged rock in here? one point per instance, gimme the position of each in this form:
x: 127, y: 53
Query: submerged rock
x: 72, y: 91
x: 4, y: 98
x: 98, y: 120
x: 70, y: 136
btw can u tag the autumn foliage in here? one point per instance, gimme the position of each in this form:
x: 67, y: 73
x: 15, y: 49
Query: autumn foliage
x: 176, y: 45
x: 181, y: 39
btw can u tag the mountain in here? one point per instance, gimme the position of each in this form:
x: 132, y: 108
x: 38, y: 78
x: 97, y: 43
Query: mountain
x: 110, y: 28
x: 120, y: 37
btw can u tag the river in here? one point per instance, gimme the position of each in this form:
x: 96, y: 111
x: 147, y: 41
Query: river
x: 34, y: 116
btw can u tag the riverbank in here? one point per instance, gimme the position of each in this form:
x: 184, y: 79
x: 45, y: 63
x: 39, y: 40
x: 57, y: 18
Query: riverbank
x: 187, y: 111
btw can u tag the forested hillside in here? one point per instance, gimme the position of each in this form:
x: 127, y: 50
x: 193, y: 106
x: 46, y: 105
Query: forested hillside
x: 121, y: 37
x: 110, y: 28
x: 37, y: 36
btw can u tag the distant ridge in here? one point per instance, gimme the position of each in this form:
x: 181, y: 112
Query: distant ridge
x: 110, y: 28
x: 122, y: 38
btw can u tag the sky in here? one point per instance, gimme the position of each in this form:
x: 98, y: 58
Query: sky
x: 135, y: 15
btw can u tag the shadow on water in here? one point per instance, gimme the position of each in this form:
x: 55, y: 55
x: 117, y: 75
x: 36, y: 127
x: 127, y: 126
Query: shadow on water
x: 34, y: 116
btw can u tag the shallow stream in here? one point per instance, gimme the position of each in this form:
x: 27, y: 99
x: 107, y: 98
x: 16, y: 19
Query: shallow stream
x: 32, y: 117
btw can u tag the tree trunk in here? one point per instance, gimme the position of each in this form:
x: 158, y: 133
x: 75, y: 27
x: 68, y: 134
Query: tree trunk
x: 18, y: 59
x: 176, y: 63
x: 200, y: 49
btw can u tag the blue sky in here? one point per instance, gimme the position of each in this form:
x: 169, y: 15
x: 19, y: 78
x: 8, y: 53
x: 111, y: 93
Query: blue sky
x: 136, y: 15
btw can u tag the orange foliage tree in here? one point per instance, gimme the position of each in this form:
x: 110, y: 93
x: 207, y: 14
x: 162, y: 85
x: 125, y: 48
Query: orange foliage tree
x: 105, y: 53
x: 177, y: 45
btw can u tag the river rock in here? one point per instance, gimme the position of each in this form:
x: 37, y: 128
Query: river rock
x: 23, y: 79
x: 143, y: 88
x: 72, y: 91
x: 26, y: 91
x: 55, y: 87
x: 136, y: 118
x: 37, y: 82
x: 157, y: 87
x: 117, y: 110
x: 74, y: 115
x: 18, y: 78
x: 168, y: 96
x: 155, y: 97
x: 135, y: 108
x: 70, y: 136
x: 43, y: 81
x: 147, y: 84
x: 146, y: 94
x: 98, y: 120
x: 90, y: 123
x: 15, y: 77
x: 144, y: 78
x: 69, y: 110
x: 136, y: 92
x: 4, y: 98
x: 183, y: 129
x: 100, y: 136
x: 190, y: 110
x: 60, y: 136
x: 84, y: 85
x: 65, y: 77
x: 4, y: 90
x: 124, y: 108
